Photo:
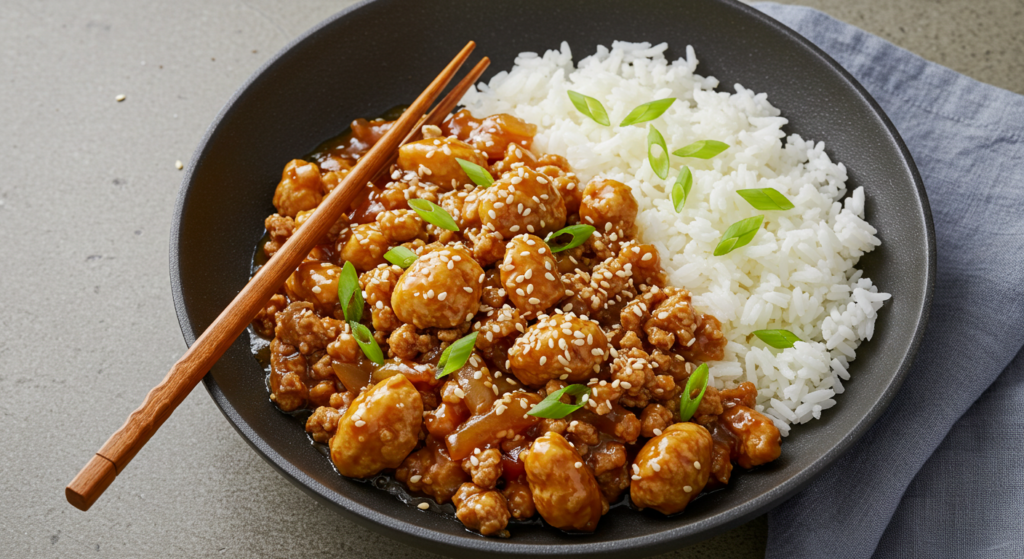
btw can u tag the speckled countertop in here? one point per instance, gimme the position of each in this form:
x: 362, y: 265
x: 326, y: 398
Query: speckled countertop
x: 87, y: 191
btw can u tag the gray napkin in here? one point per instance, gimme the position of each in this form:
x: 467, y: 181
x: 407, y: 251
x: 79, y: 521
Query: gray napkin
x: 942, y: 472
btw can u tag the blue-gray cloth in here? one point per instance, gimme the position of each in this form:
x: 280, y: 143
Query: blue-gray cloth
x: 942, y: 472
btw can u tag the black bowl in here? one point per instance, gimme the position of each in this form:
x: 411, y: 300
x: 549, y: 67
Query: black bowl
x: 380, y: 54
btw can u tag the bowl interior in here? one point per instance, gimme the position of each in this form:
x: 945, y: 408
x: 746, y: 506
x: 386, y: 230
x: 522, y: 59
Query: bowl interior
x: 382, y: 54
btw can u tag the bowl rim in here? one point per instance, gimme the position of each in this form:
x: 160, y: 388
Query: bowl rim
x: 418, y: 536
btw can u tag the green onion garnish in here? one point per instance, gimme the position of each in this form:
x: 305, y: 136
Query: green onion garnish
x: 476, y: 173
x: 454, y: 357
x: 739, y: 234
x: 580, y: 234
x: 647, y: 111
x: 704, y: 149
x: 779, y: 339
x: 590, y: 107
x: 681, y: 189
x: 552, y: 408
x: 660, y: 162
x: 366, y: 342
x: 698, y: 380
x: 433, y: 214
x: 400, y: 256
x: 350, y: 296
x: 766, y: 198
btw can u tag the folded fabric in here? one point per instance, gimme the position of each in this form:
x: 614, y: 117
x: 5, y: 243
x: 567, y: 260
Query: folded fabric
x: 894, y: 494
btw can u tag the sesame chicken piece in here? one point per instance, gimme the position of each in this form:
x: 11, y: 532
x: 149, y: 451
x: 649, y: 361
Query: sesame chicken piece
x: 342, y: 400
x: 745, y: 394
x: 289, y: 379
x: 608, y: 461
x: 378, y: 285
x: 463, y: 206
x: 280, y: 228
x: 522, y: 201
x: 520, y: 500
x: 366, y: 247
x: 635, y: 264
x: 514, y: 156
x: 654, y: 420
x: 494, y: 295
x: 582, y: 435
x: 265, y: 320
x: 431, y: 471
x: 400, y: 226
x: 493, y: 134
x: 603, y: 396
x: 632, y: 369
x: 672, y: 364
x: 441, y: 289
x: 709, y: 408
x: 339, y: 229
x: 672, y: 468
x: 672, y: 320
x: 610, y: 206
x: 408, y: 343
x: 759, y: 439
x: 638, y: 311
x: 530, y: 275
x: 710, y: 344
x: 564, y: 489
x: 317, y: 283
x: 619, y: 423
x: 297, y: 325
x: 379, y: 429
x: 333, y: 179
x: 445, y: 418
x: 321, y: 392
x: 565, y: 181
x: 484, y: 468
x: 721, y: 465
x: 552, y: 425
x: 434, y: 160
x: 322, y: 424
x: 300, y: 188
x: 562, y: 346
x: 480, y: 510
x: 488, y: 245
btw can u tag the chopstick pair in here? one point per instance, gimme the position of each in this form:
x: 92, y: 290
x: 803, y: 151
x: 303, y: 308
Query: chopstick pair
x: 124, y: 444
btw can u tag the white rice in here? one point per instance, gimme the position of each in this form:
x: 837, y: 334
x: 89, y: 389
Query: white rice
x: 799, y: 272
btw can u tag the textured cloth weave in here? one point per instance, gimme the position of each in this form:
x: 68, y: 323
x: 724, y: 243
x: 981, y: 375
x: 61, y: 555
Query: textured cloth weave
x: 941, y: 474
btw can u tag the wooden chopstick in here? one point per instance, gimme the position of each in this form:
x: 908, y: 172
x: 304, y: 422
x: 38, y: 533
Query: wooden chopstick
x: 437, y: 115
x: 122, y: 446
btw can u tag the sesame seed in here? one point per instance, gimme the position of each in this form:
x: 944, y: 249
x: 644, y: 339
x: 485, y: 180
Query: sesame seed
x: 120, y: 98
x: 578, y: 464
x: 360, y: 423
x: 416, y: 479
x: 442, y: 296
x: 563, y: 377
x: 656, y: 466
x: 626, y: 385
x: 657, y: 432
x: 179, y: 165
x: 635, y: 477
x: 696, y: 464
x: 423, y: 506
x: 460, y: 393
x: 690, y: 343
x: 687, y: 488
x: 474, y: 460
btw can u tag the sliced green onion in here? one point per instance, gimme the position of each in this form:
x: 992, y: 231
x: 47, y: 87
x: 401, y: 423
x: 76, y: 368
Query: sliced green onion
x: 366, y: 342
x: 580, y: 234
x: 476, y: 173
x: 681, y: 189
x: 590, y: 107
x: 433, y: 214
x: 400, y: 256
x: 552, y: 407
x: 766, y: 199
x: 660, y: 162
x: 739, y: 234
x: 779, y: 339
x: 454, y: 357
x: 698, y: 381
x: 704, y: 149
x: 647, y: 111
x: 350, y: 295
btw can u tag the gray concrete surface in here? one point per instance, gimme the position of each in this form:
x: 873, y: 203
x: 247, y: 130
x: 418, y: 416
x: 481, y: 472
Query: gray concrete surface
x: 87, y: 191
